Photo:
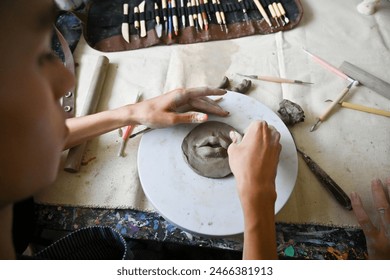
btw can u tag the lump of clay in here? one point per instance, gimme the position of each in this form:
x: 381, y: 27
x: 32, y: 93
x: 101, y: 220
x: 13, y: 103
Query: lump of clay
x: 205, y: 149
x: 290, y: 112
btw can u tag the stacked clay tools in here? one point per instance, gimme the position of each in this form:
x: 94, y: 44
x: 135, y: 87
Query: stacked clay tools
x: 173, y: 16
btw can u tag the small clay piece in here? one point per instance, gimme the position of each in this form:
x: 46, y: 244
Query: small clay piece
x: 290, y: 112
x: 243, y: 87
x: 225, y: 83
x: 205, y: 149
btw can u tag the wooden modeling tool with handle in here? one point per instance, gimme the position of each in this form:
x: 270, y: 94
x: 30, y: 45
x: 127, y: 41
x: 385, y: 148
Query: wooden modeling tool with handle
x: 262, y: 12
x: 274, y: 79
x: 75, y: 154
x: 328, y: 110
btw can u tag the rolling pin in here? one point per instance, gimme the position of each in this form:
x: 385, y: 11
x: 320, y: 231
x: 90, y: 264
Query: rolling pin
x: 75, y: 154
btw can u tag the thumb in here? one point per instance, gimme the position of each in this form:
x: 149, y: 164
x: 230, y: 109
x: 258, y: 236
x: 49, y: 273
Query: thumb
x: 235, y: 136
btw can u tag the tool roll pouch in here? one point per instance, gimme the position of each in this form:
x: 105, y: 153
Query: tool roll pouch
x: 103, y: 20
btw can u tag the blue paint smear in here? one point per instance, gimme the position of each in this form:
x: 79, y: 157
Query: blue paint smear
x: 155, y: 226
x: 170, y: 228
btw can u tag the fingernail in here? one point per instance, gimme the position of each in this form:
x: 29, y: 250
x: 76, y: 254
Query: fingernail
x: 376, y: 182
x: 233, y: 136
x: 199, y: 117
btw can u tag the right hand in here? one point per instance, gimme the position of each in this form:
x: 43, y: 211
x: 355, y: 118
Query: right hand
x: 254, y: 160
x: 377, y: 237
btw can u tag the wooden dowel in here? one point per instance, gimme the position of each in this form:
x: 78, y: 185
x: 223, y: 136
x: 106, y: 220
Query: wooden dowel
x: 365, y: 109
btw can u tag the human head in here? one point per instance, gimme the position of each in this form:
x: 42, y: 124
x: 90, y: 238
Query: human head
x: 32, y: 123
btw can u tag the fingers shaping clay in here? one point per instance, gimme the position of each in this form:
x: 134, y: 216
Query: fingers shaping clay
x: 205, y: 149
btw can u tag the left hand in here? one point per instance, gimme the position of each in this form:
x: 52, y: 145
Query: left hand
x: 179, y: 106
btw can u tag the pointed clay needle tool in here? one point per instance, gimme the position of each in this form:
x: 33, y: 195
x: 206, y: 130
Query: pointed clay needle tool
x: 274, y: 79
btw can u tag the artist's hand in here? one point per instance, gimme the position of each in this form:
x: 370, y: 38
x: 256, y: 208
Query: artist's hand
x: 377, y: 237
x: 254, y: 161
x: 179, y: 106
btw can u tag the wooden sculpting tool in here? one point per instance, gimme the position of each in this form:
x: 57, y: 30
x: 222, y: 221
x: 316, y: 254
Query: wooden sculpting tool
x: 165, y: 15
x: 217, y: 14
x: 242, y: 4
x: 283, y: 12
x: 278, y: 13
x: 204, y: 15
x: 194, y: 14
x: 331, y: 107
x: 175, y: 22
x: 206, y: 5
x: 136, y: 18
x: 75, y: 154
x: 183, y: 16
x: 158, y: 26
x: 141, y: 8
x: 272, y: 12
x: 222, y: 14
x: 274, y: 79
x: 262, y: 12
x: 365, y: 109
x: 199, y: 14
x: 125, y: 23
x: 128, y: 131
x: 170, y: 27
x: 327, y: 182
x: 190, y: 18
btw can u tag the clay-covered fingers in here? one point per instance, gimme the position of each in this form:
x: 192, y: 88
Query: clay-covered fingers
x: 196, y: 99
x: 361, y: 216
x: 207, y: 105
x: 182, y: 96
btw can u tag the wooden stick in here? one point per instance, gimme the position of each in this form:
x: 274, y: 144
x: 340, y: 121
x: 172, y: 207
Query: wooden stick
x: 328, y: 110
x: 365, y: 109
x: 75, y: 155
x: 262, y: 12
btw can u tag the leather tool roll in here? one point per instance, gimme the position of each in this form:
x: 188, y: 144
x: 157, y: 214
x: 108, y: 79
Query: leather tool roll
x: 102, y: 28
